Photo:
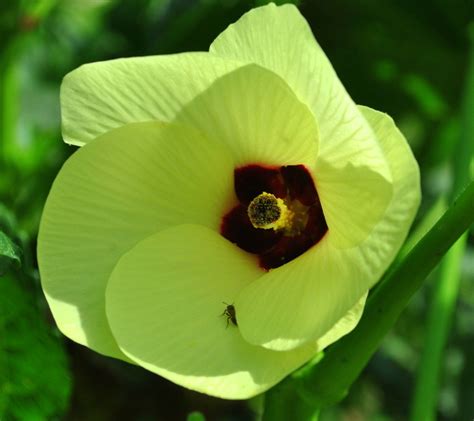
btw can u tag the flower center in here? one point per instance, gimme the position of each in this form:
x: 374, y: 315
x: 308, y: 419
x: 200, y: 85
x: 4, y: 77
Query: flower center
x: 279, y: 215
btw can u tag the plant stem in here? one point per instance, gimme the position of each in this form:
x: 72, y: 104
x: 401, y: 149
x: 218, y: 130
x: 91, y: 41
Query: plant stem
x: 446, y: 289
x: 440, y: 314
x: 284, y: 402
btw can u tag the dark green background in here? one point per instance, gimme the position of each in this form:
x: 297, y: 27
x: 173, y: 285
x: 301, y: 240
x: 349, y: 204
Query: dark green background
x: 407, y: 58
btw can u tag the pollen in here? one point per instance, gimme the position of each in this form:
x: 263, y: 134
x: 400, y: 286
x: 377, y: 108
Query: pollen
x: 268, y: 212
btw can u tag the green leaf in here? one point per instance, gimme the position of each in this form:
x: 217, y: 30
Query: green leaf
x: 35, y: 383
x: 8, y: 221
x: 9, y: 253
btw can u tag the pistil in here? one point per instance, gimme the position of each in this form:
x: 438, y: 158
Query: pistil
x: 269, y: 212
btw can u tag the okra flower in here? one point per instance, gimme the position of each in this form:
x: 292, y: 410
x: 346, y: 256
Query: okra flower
x: 228, y: 210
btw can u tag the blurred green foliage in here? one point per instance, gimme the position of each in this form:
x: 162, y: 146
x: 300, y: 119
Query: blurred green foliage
x: 195, y: 416
x: 35, y: 383
x: 406, y: 58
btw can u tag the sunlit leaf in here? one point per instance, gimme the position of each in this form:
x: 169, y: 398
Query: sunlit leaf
x: 9, y: 253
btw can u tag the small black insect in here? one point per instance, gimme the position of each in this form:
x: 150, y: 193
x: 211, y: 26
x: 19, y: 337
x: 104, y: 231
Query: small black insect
x: 229, y: 312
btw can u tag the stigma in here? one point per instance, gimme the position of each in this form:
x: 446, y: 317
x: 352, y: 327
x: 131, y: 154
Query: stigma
x: 269, y: 212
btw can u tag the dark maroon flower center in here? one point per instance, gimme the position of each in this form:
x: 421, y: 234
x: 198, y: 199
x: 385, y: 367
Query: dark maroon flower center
x: 258, y: 190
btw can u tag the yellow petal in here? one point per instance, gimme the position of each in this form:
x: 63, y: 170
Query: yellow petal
x: 280, y: 39
x: 255, y: 113
x: 300, y: 301
x: 165, y: 303
x: 98, y: 97
x: 112, y: 193
x: 354, y: 199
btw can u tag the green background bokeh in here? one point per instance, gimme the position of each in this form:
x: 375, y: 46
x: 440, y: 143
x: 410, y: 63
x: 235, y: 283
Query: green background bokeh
x: 406, y: 58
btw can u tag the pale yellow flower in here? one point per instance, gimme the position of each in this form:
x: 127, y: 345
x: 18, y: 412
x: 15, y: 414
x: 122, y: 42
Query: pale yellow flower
x: 146, y: 248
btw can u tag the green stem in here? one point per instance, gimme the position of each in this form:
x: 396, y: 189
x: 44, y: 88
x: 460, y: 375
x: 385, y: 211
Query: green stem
x: 329, y: 380
x: 284, y: 402
x: 446, y: 289
x: 439, y: 322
